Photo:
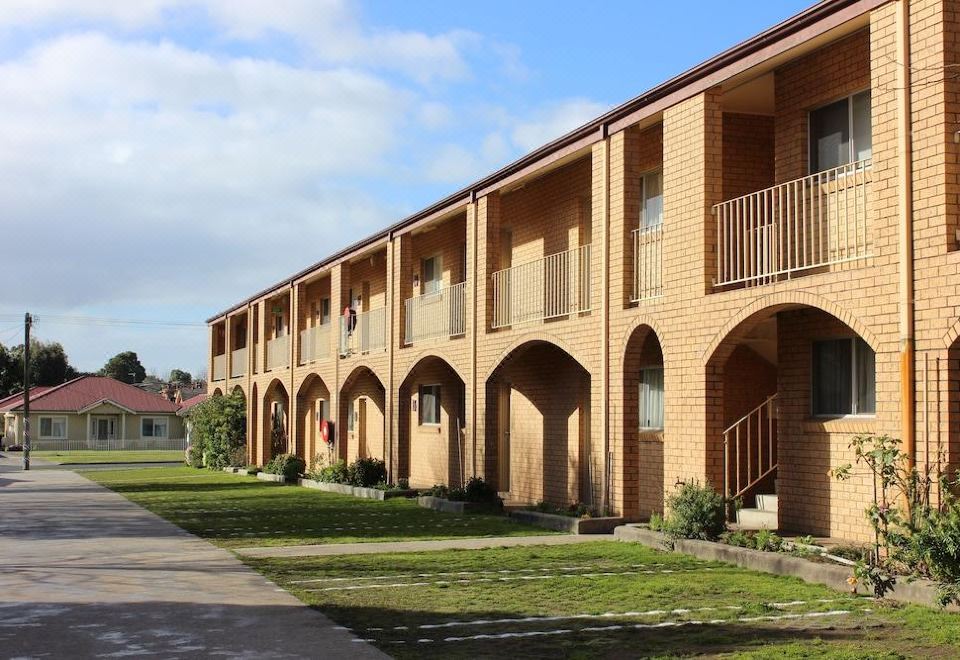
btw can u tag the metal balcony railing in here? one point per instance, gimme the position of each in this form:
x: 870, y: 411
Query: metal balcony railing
x: 553, y: 286
x: 647, y: 263
x: 363, y: 333
x: 435, y: 315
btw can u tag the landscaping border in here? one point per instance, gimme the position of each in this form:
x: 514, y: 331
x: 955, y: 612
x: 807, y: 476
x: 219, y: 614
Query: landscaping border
x: 355, y: 491
x: 451, y: 506
x: 561, y: 523
x: 920, y: 592
x: 278, y: 478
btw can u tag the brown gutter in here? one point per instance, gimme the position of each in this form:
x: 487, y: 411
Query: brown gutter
x: 803, y: 26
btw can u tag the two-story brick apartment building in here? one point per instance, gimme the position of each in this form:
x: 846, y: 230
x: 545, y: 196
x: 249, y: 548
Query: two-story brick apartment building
x: 723, y: 279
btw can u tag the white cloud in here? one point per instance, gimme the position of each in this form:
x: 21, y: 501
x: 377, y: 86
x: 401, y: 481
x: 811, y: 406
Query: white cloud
x: 554, y: 120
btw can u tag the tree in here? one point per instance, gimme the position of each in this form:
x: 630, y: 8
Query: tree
x: 181, y: 377
x: 219, y: 431
x: 48, y: 366
x: 11, y: 372
x: 124, y: 367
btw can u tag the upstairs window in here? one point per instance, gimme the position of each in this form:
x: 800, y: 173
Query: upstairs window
x: 651, y: 206
x: 651, y: 398
x: 844, y: 378
x: 432, y: 274
x: 324, y: 311
x: 840, y: 133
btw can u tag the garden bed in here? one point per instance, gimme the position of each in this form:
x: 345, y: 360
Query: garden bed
x: 356, y: 491
x: 278, y: 478
x: 571, y: 524
x: 451, y: 506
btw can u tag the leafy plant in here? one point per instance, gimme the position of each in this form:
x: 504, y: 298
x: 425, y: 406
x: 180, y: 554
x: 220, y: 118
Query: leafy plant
x: 334, y: 473
x: 656, y: 522
x: 696, y: 512
x: 367, y: 472
x: 219, y: 432
x: 289, y: 465
x: 767, y: 541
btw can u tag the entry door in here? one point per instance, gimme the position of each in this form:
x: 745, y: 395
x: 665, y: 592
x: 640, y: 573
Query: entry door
x: 104, y: 429
x: 503, y: 440
x: 362, y: 427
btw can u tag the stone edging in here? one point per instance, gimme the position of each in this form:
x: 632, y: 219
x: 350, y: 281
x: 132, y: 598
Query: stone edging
x: 355, y: 491
x: 561, y: 523
x: 278, y: 478
x: 920, y: 592
x: 449, y: 506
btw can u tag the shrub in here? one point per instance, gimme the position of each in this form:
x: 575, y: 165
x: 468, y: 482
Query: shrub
x: 335, y: 473
x: 288, y: 465
x: 656, y: 522
x: 219, y: 432
x: 367, y: 472
x: 253, y: 469
x: 477, y: 490
x: 437, y: 490
x: 696, y: 512
x: 767, y: 541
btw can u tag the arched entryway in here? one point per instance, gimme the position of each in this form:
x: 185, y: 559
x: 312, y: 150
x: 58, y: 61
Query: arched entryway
x: 361, y: 432
x: 313, y: 407
x: 432, y: 419
x: 217, y: 392
x: 787, y: 389
x: 538, y: 426
x: 644, y: 421
x: 275, y: 432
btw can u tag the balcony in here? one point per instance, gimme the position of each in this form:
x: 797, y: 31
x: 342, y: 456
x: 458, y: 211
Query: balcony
x: 647, y: 263
x: 220, y: 367
x: 551, y: 287
x: 436, y: 315
x: 238, y: 363
x: 364, y: 333
x: 278, y: 352
x: 315, y: 343
x: 795, y: 227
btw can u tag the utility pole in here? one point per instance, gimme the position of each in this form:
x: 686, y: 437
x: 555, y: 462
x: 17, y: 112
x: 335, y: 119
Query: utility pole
x: 27, y: 322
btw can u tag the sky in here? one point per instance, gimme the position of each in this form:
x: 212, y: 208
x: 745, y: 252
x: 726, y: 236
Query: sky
x: 161, y: 160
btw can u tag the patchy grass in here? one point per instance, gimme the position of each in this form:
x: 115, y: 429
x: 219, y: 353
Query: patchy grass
x: 234, y: 511
x: 601, y: 599
x: 126, y: 456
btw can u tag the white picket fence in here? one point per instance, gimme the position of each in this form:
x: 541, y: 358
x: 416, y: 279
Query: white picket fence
x: 110, y: 444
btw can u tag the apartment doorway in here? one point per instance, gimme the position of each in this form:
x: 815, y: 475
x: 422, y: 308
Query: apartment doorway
x: 362, y: 426
x: 503, y: 436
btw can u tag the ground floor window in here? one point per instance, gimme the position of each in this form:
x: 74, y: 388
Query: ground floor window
x: 53, y: 428
x: 651, y: 398
x: 429, y: 404
x: 153, y: 427
x: 844, y: 378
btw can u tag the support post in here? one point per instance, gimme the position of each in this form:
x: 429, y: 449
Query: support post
x: 27, y: 323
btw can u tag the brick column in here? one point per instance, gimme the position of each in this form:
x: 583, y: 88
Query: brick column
x: 488, y: 258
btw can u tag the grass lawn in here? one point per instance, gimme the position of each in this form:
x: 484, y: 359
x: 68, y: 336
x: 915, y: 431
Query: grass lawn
x: 603, y: 599
x: 126, y: 456
x: 234, y: 511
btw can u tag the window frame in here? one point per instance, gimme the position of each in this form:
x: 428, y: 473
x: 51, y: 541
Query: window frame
x: 421, y: 409
x: 851, y: 147
x: 66, y: 427
x: 153, y: 420
x: 437, y: 278
x: 643, y: 224
x: 640, y: 399
x: 854, y: 381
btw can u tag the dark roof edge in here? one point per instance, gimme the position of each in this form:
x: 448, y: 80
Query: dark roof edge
x: 598, y: 126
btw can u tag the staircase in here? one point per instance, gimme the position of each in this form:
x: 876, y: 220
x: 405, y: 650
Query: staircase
x: 750, y: 465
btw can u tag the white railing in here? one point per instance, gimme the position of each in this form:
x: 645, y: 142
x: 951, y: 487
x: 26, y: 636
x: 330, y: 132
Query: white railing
x: 436, y: 314
x: 315, y: 343
x: 111, y: 444
x: 278, y: 352
x: 750, y: 449
x: 219, y: 367
x: 816, y: 221
x: 364, y: 333
x: 238, y: 363
x: 550, y: 287
x: 647, y: 263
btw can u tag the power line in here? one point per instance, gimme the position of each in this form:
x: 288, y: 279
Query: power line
x: 61, y: 319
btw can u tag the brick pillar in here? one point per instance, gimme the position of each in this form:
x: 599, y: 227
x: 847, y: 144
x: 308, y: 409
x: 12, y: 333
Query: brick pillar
x: 339, y: 298
x: 293, y: 414
x: 391, y: 427
x: 488, y: 258
x: 472, y: 442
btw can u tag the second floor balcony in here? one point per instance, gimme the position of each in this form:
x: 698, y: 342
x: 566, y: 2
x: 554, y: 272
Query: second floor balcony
x: 220, y: 366
x: 552, y: 287
x: 647, y: 262
x: 238, y: 362
x: 363, y: 333
x: 436, y: 315
x: 315, y: 343
x: 794, y: 228
x: 278, y: 352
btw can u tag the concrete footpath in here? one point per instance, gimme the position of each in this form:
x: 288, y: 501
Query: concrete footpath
x: 85, y: 573
x: 330, y: 549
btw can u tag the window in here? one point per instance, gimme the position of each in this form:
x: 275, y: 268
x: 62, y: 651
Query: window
x: 844, y: 379
x: 350, y: 413
x: 53, y: 428
x: 840, y: 133
x: 651, y: 208
x: 323, y: 410
x: 324, y: 311
x: 651, y: 398
x: 432, y: 274
x: 429, y: 404
x: 278, y: 324
x: 153, y: 427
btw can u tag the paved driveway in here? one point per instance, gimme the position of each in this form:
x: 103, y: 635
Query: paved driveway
x: 87, y: 573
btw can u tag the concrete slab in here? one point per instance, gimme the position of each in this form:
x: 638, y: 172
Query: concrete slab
x: 333, y: 549
x: 87, y: 573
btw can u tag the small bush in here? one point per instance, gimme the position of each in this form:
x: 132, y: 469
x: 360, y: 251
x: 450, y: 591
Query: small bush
x: 767, y: 541
x: 656, y: 522
x: 477, y: 490
x: 739, y: 539
x: 437, y: 490
x: 253, y: 470
x: 335, y: 473
x: 288, y: 465
x: 367, y: 472
x: 696, y: 512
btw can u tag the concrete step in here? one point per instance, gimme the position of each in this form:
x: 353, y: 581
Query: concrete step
x: 757, y: 519
x: 768, y: 503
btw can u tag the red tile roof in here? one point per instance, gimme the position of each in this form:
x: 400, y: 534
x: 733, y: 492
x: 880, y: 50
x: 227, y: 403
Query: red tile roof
x: 191, y: 402
x: 87, y: 391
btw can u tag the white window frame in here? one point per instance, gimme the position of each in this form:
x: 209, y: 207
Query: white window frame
x: 852, y: 149
x: 644, y: 224
x: 854, y: 382
x: 351, y: 411
x: 66, y: 427
x: 153, y: 421
x: 324, y: 311
x: 437, y: 281
x: 643, y: 401
x: 421, y: 409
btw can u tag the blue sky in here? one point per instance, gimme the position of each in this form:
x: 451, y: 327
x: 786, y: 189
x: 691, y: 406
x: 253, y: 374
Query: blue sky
x: 163, y: 159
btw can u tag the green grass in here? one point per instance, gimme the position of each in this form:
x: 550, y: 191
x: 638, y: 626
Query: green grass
x: 234, y: 511
x: 126, y: 456
x: 454, y: 588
